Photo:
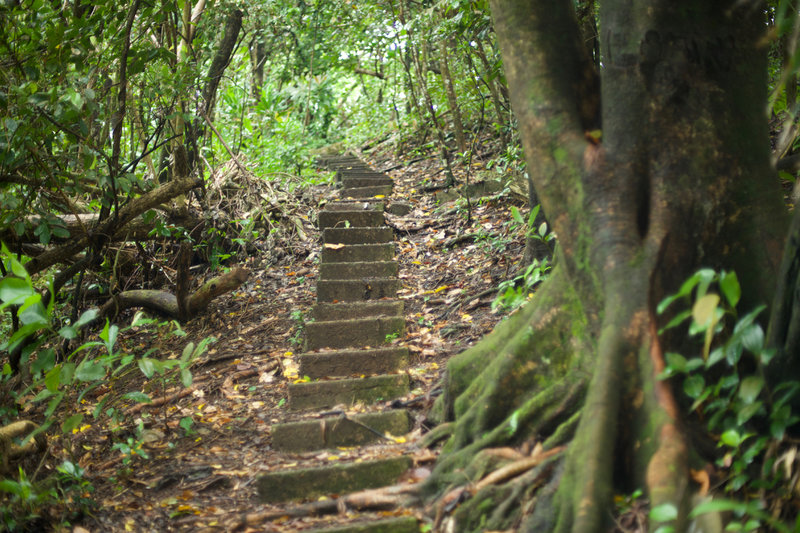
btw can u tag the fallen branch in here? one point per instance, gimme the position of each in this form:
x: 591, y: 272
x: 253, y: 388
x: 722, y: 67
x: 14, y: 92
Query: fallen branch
x: 166, y: 303
x: 516, y: 468
x: 158, y: 402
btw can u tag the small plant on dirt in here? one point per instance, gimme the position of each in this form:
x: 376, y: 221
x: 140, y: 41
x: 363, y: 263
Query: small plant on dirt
x: 726, y: 383
x: 514, y: 292
x: 24, y: 501
x: 299, y: 319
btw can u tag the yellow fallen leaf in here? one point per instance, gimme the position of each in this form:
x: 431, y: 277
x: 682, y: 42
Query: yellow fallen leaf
x: 332, y: 246
x: 380, y: 196
x: 440, y: 289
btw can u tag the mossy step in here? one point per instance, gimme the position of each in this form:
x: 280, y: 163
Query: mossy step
x: 344, y: 174
x: 354, y: 333
x: 353, y: 235
x: 310, y: 483
x: 366, y: 181
x: 325, y: 312
x: 366, y: 192
x: 359, y: 219
x: 398, y: 524
x: 331, y: 432
x: 358, y: 253
x: 373, y: 204
x: 342, y: 363
x: 358, y: 270
x: 326, y: 394
x: 353, y: 290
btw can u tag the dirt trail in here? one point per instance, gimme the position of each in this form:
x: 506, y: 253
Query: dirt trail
x: 214, y: 477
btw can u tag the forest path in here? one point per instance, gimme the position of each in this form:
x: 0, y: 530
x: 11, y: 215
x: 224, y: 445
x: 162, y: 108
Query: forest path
x: 250, y: 402
x: 350, y: 360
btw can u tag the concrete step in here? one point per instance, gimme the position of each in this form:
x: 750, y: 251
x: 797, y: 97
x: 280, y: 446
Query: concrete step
x: 373, y: 235
x: 358, y: 253
x: 366, y: 181
x: 366, y: 192
x: 375, y: 269
x: 353, y: 290
x: 344, y: 363
x: 353, y: 333
x: 398, y: 524
x: 356, y: 219
x: 325, y: 312
x: 310, y: 483
x: 327, y: 394
x: 332, y: 432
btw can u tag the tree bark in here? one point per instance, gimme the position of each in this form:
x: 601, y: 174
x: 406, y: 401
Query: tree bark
x: 676, y: 176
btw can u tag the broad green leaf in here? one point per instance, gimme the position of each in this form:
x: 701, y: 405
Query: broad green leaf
x: 13, y: 289
x: 53, y: 379
x: 186, y: 377
x: 750, y: 388
x: 675, y: 361
x: 747, y: 412
x: 753, y: 338
x: 677, y: 320
x: 693, y: 385
x: 86, y: 317
x: 147, y: 366
x: 729, y: 285
x: 90, y: 370
x: 138, y: 397
x: 187, y: 351
x: 731, y: 438
x: 45, y: 361
x: 71, y: 423
x: 664, y: 512
x: 516, y: 215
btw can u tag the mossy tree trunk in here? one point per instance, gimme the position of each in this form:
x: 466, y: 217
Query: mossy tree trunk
x: 674, y: 174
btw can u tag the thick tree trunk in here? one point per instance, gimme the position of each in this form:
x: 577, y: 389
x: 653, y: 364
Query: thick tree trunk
x: 679, y: 178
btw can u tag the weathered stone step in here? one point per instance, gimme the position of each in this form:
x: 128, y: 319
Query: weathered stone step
x: 343, y: 172
x: 326, y: 394
x: 366, y: 192
x: 353, y: 290
x: 375, y: 269
x: 310, y: 483
x: 358, y: 253
x: 366, y: 181
x: 374, y: 204
x: 325, y: 312
x: 331, y: 432
x: 354, y: 333
x: 374, y: 235
x: 360, y: 219
x: 342, y: 175
x: 343, y: 363
x: 397, y: 524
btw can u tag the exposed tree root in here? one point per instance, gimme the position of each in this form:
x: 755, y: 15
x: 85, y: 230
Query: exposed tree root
x: 383, y: 499
x: 9, y: 450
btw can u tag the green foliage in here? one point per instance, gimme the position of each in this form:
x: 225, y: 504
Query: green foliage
x: 727, y: 386
x: 515, y: 292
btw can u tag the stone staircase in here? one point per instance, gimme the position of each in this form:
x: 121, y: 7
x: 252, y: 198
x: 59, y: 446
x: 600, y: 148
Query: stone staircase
x: 348, y: 355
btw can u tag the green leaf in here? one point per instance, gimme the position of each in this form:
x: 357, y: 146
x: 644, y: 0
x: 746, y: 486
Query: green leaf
x: 516, y: 215
x: 53, y: 379
x: 45, y: 360
x: 729, y: 285
x: 187, y: 351
x: 86, y: 317
x: 13, y: 289
x: 675, y: 361
x: 750, y: 388
x: 753, y: 338
x: 147, y: 366
x: 90, y: 370
x: 138, y: 397
x: 747, y: 412
x: 71, y: 423
x: 716, y: 506
x: 664, y: 512
x: 186, y: 377
x: 693, y: 386
x: 677, y: 320
x: 731, y: 438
